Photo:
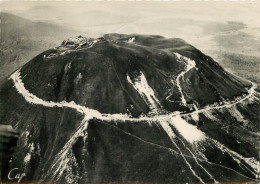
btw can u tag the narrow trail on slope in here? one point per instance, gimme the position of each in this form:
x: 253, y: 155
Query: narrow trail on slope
x: 190, y: 64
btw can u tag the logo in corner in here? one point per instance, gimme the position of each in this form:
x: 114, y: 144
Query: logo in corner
x: 13, y: 175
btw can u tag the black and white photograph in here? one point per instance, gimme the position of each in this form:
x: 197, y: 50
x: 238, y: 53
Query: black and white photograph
x: 130, y: 92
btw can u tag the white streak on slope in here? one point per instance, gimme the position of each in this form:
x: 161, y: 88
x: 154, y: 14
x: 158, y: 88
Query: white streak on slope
x: 188, y: 131
x: 131, y: 40
x: 142, y: 87
x: 28, y: 156
x: 92, y: 44
x: 168, y: 130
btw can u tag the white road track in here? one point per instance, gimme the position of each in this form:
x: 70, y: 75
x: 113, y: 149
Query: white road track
x: 189, y: 65
x: 61, y: 161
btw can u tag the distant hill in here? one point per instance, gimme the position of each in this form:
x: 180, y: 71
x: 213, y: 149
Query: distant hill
x: 22, y: 39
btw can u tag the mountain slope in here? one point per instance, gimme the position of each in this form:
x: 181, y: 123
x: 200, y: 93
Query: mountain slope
x: 79, y: 76
x: 131, y: 108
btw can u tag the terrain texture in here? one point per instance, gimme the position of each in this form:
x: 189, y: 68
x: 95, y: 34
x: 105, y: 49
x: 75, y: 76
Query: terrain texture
x: 127, y: 108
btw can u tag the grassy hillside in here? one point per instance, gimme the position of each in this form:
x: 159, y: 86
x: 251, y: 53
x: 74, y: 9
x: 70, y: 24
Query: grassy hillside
x: 22, y: 39
x: 245, y: 66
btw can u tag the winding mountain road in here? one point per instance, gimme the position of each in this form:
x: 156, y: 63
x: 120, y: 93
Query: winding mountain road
x: 91, y: 113
x: 61, y: 160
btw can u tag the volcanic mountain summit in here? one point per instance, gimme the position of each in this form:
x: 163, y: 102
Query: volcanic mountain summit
x: 127, y: 108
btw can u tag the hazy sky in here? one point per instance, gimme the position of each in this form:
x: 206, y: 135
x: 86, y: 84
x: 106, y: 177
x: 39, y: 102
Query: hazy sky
x: 80, y: 14
x: 203, y: 24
